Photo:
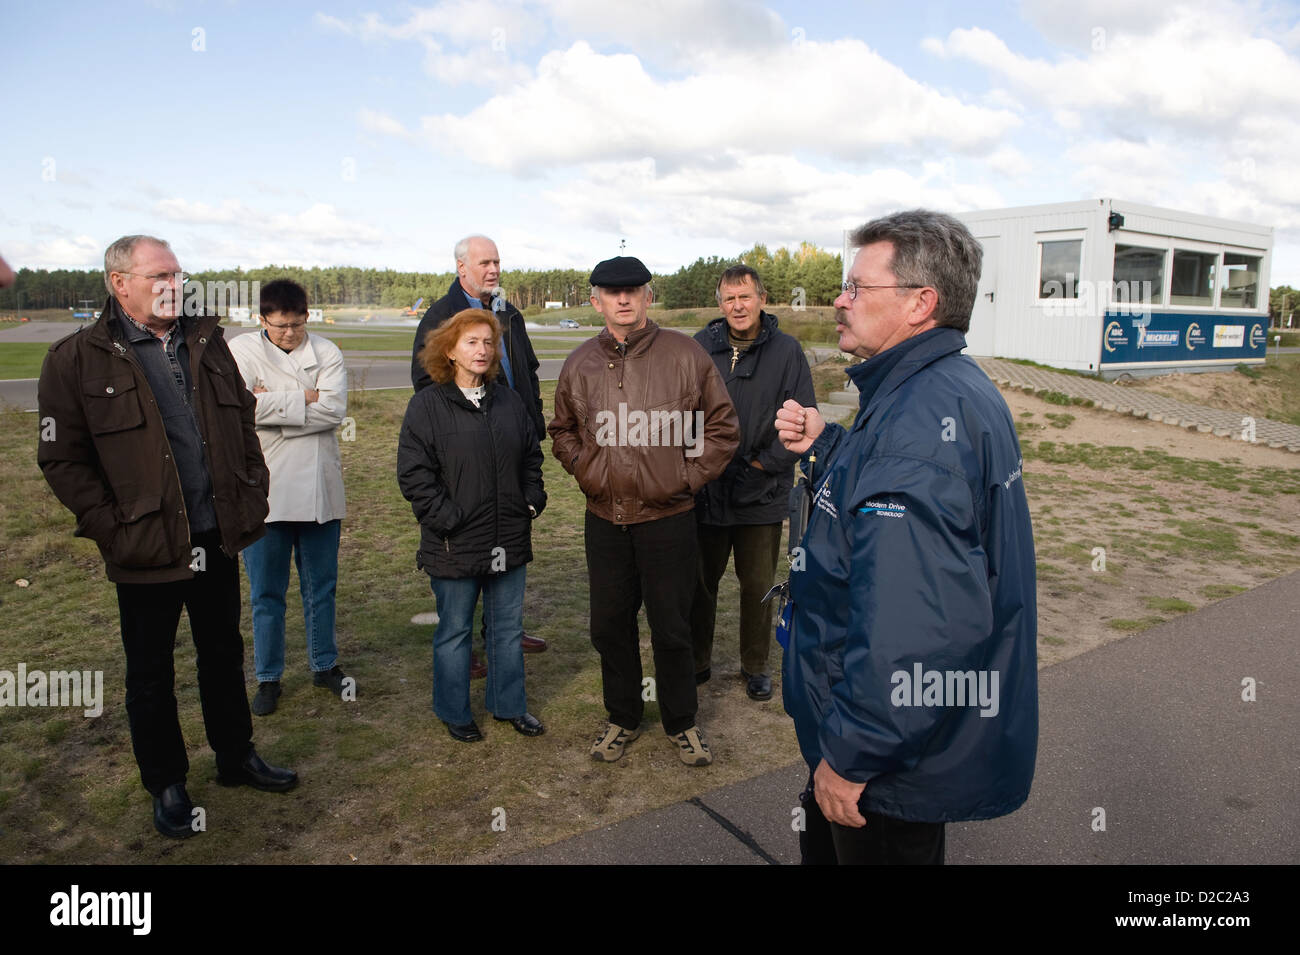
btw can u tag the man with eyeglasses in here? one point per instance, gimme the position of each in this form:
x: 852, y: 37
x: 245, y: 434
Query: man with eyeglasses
x: 147, y: 436
x: 301, y: 385
x: 911, y: 673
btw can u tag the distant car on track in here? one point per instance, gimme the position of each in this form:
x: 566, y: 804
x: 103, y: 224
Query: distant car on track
x: 569, y: 323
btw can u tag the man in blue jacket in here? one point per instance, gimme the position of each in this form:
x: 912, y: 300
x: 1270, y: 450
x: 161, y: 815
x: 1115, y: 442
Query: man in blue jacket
x: 911, y: 672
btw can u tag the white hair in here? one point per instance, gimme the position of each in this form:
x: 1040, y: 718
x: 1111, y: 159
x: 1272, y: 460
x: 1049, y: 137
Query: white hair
x: 461, y: 251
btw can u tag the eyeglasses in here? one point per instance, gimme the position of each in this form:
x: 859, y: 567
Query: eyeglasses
x: 181, y: 277
x: 294, y: 326
x: 852, y: 288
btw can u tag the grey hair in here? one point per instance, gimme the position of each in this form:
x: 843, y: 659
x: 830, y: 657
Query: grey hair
x: 461, y: 251
x: 117, y: 257
x: 931, y: 250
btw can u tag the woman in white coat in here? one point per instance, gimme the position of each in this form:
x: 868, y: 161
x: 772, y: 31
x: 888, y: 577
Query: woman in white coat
x: 301, y: 387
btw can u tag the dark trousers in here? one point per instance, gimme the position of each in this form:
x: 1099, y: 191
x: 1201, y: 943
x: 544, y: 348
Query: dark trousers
x: 652, y: 562
x: 882, y: 841
x: 757, y: 548
x: 150, y: 614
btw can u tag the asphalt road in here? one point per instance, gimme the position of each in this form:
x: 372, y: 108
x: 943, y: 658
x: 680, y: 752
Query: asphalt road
x: 1149, y: 735
x: 369, y: 373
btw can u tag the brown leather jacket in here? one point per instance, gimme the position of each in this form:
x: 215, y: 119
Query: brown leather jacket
x: 105, y: 454
x: 642, y: 429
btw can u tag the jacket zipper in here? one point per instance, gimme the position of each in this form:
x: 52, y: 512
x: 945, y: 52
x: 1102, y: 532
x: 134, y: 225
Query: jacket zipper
x: 122, y: 352
x: 496, y: 509
x: 195, y: 358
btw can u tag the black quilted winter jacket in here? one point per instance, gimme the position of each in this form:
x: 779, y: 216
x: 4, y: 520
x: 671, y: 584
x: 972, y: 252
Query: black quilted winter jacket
x: 470, y: 475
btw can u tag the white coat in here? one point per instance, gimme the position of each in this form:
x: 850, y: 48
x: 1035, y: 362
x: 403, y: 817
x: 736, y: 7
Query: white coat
x: 298, y: 439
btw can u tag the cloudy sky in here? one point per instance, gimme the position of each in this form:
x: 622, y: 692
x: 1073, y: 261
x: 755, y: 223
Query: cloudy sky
x: 377, y: 134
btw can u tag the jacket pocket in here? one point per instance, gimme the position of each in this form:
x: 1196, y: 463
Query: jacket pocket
x: 754, y: 487
x: 225, y: 385
x: 141, y: 541
x: 251, y: 502
x: 112, y: 404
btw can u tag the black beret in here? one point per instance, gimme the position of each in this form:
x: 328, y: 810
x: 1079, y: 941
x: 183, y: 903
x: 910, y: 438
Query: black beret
x: 622, y: 271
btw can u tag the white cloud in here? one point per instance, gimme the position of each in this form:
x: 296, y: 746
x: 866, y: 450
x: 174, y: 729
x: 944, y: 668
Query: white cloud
x: 374, y: 121
x: 320, y: 223
x: 678, y: 33
x: 585, y: 106
x: 230, y: 211
x: 64, y: 252
x: 464, y: 41
x: 1201, y: 70
x: 1075, y: 24
x: 1009, y: 162
x: 775, y: 199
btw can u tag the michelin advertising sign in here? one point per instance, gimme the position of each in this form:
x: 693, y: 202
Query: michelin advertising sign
x: 1171, y: 337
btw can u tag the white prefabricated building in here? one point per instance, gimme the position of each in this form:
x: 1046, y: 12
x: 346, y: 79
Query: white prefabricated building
x: 1112, y: 287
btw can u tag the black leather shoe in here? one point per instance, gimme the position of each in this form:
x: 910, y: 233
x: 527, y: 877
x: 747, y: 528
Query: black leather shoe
x: 335, y: 680
x: 253, y: 772
x: 468, y: 733
x: 757, y: 685
x: 527, y: 724
x: 264, y: 702
x: 173, y: 813
x: 702, y: 676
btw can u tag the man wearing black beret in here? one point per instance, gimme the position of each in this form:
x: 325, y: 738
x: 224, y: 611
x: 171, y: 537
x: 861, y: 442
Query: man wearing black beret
x: 642, y: 421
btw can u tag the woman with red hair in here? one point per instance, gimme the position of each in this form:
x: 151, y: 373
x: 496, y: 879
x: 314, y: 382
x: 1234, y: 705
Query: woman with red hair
x: 470, y: 463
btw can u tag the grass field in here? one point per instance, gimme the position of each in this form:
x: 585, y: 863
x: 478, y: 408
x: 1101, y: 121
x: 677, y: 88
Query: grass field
x: 22, y: 359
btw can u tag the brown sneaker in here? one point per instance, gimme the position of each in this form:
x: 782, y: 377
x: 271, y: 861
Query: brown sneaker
x: 609, y: 747
x: 691, y: 748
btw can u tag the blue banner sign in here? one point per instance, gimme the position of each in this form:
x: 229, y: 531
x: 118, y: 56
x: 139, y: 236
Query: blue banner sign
x: 1173, y: 337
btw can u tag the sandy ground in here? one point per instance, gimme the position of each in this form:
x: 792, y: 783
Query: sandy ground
x: 1226, y: 389
x: 1108, y: 428
x: 1132, y: 515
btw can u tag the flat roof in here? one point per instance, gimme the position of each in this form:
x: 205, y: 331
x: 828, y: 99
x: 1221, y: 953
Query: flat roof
x: 1115, y: 205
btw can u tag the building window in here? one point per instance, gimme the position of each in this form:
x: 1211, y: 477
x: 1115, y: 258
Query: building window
x: 1193, y: 278
x: 1059, y: 267
x: 1239, y: 280
x: 1139, y: 275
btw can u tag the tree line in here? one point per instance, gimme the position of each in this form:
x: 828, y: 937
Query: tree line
x: 807, y: 271
x: 808, y: 268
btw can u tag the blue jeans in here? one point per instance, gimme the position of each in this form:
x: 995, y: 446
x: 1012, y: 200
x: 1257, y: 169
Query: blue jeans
x: 315, y: 549
x: 503, y: 615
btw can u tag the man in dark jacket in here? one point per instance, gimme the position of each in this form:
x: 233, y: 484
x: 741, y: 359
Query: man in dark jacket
x: 478, y: 269
x: 147, y: 436
x: 742, y: 511
x: 642, y: 422
x: 910, y: 671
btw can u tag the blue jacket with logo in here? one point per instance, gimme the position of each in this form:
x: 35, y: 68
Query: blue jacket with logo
x: 912, y: 659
